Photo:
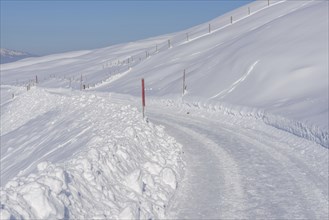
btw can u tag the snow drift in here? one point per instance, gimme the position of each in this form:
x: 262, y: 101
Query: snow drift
x: 102, y: 162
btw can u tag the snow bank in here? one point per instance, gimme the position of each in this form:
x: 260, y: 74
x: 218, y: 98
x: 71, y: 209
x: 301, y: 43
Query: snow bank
x: 126, y: 168
x: 8, y: 93
x: 305, y: 130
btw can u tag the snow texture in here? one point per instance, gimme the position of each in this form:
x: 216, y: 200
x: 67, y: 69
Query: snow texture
x: 252, y: 118
x: 60, y: 162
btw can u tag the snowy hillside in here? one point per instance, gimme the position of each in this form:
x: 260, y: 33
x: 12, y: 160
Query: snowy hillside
x: 253, y: 111
x: 272, y: 64
x: 7, y: 56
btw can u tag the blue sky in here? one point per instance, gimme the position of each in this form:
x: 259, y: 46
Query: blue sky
x: 45, y: 27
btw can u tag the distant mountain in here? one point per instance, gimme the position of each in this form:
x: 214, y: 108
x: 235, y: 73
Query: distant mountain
x: 8, y: 56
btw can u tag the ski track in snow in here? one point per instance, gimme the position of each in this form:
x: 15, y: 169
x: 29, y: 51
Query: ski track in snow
x: 115, y: 77
x: 236, y: 83
x: 110, y: 80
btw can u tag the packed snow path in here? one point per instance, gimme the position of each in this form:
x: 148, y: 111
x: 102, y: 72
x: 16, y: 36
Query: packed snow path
x: 235, y: 167
x: 235, y: 172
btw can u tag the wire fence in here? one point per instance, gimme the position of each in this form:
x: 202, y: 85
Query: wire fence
x: 109, y: 69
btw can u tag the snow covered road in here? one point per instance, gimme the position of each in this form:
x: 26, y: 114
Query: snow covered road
x: 245, y: 170
x: 235, y: 167
x: 248, y: 139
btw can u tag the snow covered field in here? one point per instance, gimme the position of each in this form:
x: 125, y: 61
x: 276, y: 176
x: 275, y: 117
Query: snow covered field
x: 247, y: 139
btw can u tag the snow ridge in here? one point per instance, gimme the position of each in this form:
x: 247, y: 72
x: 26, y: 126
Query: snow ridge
x: 12, y: 53
x: 298, y: 128
x: 128, y: 168
x: 7, y: 55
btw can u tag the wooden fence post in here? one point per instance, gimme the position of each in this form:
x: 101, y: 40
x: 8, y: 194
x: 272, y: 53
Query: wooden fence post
x: 143, y: 97
x: 184, y: 87
x: 36, y: 79
x: 81, y: 82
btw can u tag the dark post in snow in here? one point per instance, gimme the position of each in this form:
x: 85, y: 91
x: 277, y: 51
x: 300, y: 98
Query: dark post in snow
x: 184, y: 87
x: 81, y: 82
x: 209, y: 28
x: 36, y: 80
x: 248, y: 10
x: 186, y: 36
x: 169, y: 45
x: 268, y: 2
x: 231, y: 19
x: 156, y: 48
x: 143, y: 97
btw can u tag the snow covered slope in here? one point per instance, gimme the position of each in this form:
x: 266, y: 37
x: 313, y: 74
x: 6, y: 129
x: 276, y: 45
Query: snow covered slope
x: 67, y: 153
x: 271, y: 64
x: 7, y: 56
x: 70, y: 155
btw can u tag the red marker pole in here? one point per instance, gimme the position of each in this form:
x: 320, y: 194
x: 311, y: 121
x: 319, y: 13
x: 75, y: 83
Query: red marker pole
x: 143, y: 96
x: 184, y: 83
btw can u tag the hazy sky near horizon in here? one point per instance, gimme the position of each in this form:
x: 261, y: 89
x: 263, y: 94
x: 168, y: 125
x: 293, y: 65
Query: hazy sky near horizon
x: 46, y: 27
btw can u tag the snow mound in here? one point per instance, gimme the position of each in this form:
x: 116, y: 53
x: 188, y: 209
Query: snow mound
x: 110, y: 175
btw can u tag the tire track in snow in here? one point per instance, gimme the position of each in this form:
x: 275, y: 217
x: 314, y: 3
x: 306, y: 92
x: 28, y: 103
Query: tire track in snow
x: 271, y: 181
x: 313, y: 188
x: 305, y: 195
x: 208, y: 195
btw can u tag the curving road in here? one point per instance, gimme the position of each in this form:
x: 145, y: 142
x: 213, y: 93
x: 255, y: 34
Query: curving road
x: 245, y: 172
